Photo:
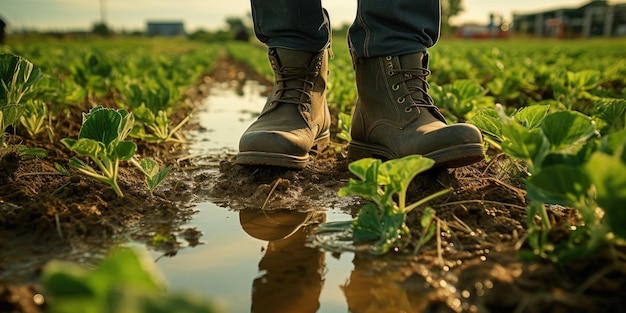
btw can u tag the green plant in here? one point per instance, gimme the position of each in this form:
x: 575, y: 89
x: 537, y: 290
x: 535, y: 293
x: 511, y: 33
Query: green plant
x: 380, y: 224
x: 573, y: 89
x: 34, y: 117
x: 126, y: 281
x: 18, y: 77
x: 152, y: 103
x: 568, y: 165
x: 150, y: 168
x: 344, y: 121
x: 93, y: 73
x: 460, y: 99
x: 102, y: 139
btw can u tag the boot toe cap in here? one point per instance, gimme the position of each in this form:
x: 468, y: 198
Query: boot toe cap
x: 275, y: 142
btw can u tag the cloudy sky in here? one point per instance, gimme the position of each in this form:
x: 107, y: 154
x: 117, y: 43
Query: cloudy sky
x: 206, y: 14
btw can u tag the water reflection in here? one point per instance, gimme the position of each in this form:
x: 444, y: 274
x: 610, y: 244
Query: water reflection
x: 290, y: 277
x: 260, y: 260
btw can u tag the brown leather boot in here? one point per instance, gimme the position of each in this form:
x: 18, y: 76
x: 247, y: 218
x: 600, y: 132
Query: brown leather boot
x: 295, y: 118
x: 395, y: 116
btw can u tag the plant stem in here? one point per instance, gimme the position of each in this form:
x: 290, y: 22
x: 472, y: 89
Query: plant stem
x: 426, y: 199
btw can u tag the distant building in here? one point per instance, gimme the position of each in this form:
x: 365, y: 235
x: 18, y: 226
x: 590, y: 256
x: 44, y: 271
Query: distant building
x: 494, y: 29
x: 156, y: 28
x: 596, y: 18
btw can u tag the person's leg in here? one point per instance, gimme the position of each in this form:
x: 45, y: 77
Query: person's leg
x: 395, y: 27
x: 394, y: 115
x: 295, y: 25
x: 295, y: 118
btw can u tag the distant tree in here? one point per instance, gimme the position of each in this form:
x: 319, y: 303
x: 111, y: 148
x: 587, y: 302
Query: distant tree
x: 101, y: 29
x: 449, y: 8
x: 234, y: 23
x: 238, y: 28
x: 3, y: 25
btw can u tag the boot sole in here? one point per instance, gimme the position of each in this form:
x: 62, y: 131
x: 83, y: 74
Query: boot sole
x: 450, y: 157
x: 261, y: 158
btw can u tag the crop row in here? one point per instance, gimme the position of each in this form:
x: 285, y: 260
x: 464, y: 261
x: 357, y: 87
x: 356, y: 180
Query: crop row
x: 142, y: 84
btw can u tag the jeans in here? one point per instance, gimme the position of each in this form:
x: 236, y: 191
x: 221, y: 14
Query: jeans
x: 381, y: 27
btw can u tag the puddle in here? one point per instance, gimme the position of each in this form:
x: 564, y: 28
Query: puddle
x: 245, y: 262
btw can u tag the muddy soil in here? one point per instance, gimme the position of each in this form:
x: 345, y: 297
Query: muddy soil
x: 46, y: 216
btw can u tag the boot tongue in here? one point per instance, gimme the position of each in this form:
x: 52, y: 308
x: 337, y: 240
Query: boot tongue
x: 413, y: 62
x: 294, y: 64
x: 294, y: 58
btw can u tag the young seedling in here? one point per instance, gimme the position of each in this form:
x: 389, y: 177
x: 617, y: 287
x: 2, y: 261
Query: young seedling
x: 18, y: 77
x: 101, y: 138
x: 150, y: 168
x: 345, y: 121
x: 34, y: 117
x: 380, y: 224
x: 151, y: 103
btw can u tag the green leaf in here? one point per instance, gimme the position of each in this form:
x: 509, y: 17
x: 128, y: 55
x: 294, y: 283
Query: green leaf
x: 368, y: 187
x: 69, y: 142
x: 584, y: 80
x: 84, y: 146
x: 427, y: 221
x: 125, y: 150
x: 365, y: 169
x: 101, y: 125
x: 126, y: 124
x: 126, y: 281
x: 149, y: 166
x: 532, y: 116
x: 18, y: 77
x: 613, y: 144
x: 528, y: 145
x: 66, y: 279
x: 154, y: 176
x: 77, y: 163
x: 613, y: 112
x: 608, y: 175
x: 368, y: 226
x: 10, y: 114
x: 559, y: 184
x: 400, y: 172
x: 345, y: 122
x: 61, y: 169
x: 144, y: 115
x: 567, y: 129
x: 127, y: 267
x: 29, y: 153
x: 489, y: 122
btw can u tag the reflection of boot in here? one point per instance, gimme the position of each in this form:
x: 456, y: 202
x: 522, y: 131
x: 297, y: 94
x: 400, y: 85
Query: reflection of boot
x: 271, y: 225
x: 395, y: 116
x: 295, y: 118
x: 290, y: 273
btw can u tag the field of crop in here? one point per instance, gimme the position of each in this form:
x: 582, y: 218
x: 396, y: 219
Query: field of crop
x: 93, y: 149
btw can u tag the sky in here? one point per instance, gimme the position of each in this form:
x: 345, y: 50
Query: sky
x: 209, y: 14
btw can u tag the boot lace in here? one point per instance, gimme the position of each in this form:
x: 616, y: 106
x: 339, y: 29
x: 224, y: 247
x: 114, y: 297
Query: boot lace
x: 408, y: 75
x: 297, y: 92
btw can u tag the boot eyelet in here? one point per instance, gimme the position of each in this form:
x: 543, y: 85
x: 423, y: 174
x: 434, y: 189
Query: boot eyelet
x: 388, y: 58
x: 408, y: 109
x: 401, y: 100
x: 395, y: 87
x: 390, y: 73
